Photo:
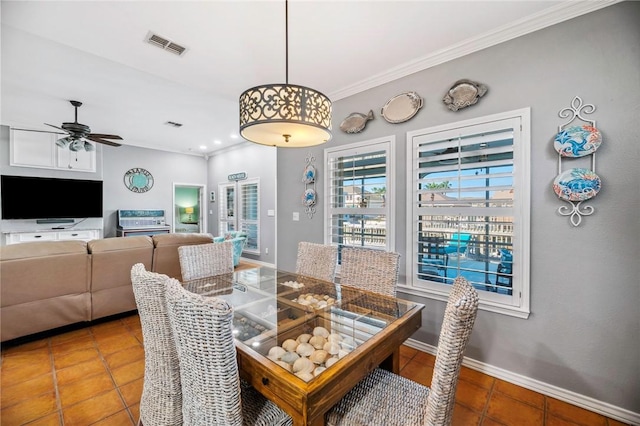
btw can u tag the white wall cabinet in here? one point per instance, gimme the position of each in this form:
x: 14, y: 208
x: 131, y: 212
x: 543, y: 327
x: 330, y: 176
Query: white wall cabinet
x: 39, y: 150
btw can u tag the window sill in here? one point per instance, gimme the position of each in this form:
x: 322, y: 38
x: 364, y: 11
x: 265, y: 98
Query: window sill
x: 485, y: 305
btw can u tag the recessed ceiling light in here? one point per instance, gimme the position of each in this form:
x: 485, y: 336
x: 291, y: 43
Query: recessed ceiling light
x: 233, y: 136
x: 217, y: 142
x: 203, y: 147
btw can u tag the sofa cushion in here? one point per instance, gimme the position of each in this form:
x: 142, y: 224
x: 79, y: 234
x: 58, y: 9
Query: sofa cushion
x: 43, y: 269
x: 111, y: 262
x: 41, y: 249
x: 45, y: 284
x: 115, y: 244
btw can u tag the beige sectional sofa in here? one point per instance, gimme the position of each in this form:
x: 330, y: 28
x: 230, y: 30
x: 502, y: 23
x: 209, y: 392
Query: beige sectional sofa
x: 49, y: 284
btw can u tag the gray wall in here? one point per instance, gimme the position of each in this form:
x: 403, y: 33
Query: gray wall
x: 257, y: 161
x: 167, y: 168
x: 583, y: 334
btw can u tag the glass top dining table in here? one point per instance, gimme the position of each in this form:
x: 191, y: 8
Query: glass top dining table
x: 303, y: 342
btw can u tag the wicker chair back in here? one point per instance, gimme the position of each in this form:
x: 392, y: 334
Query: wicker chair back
x: 317, y: 260
x: 368, y: 403
x: 205, y: 260
x: 212, y: 391
x: 369, y: 269
x: 161, y: 400
x: 459, y: 317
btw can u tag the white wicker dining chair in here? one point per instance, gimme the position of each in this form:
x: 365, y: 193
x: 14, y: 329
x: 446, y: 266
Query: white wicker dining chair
x: 374, y: 401
x: 369, y: 269
x: 204, y: 260
x: 212, y: 391
x: 317, y: 260
x: 161, y: 400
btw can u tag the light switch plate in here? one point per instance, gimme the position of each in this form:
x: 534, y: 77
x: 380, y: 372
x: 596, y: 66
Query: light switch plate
x: 296, y: 216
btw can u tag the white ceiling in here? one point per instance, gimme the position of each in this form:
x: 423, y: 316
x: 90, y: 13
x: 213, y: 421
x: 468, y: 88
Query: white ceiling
x: 94, y: 52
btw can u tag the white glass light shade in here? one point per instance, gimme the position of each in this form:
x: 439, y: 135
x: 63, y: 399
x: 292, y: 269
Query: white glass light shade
x: 76, y: 145
x: 88, y: 146
x: 285, y: 115
x: 63, y: 142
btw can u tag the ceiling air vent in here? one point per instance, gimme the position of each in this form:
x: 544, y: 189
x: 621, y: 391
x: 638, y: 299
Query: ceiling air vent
x: 165, y: 44
x: 173, y: 124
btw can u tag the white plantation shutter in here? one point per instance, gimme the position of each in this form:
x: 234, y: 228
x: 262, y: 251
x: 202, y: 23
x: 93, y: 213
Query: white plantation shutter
x: 226, y: 213
x: 358, y: 187
x: 469, y: 193
x: 249, y: 221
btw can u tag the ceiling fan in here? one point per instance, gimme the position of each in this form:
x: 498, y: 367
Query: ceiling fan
x: 78, y: 134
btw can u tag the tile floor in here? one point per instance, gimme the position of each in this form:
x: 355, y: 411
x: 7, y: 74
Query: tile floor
x: 93, y: 376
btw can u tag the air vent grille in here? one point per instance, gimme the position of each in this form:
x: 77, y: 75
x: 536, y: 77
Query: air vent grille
x: 165, y: 44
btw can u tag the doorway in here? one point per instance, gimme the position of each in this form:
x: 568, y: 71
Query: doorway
x: 189, y: 208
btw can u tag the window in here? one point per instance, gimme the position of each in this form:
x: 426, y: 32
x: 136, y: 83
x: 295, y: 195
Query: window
x: 469, y: 192
x: 242, y: 212
x: 359, y: 187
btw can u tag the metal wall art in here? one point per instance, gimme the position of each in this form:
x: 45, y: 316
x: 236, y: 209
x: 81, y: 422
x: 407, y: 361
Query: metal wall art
x: 464, y: 93
x: 402, y: 107
x: 577, y: 185
x: 355, y: 122
x: 309, y: 176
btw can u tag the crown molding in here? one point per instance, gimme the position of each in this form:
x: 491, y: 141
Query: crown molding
x: 546, y: 18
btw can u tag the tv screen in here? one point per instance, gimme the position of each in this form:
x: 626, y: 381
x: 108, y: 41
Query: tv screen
x: 26, y: 197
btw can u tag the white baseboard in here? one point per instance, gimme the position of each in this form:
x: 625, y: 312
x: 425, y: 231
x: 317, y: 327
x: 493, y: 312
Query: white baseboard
x: 565, y: 395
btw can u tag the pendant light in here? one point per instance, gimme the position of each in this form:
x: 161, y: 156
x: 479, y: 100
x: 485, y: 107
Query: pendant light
x: 285, y: 115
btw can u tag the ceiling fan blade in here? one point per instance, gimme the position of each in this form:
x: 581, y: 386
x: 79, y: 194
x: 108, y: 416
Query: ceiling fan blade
x: 39, y: 131
x: 59, y: 128
x: 93, y: 138
x: 103, y: 136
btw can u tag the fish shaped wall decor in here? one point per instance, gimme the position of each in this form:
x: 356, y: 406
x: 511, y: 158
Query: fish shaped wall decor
x: 464, y: 93
x: 355, y: 122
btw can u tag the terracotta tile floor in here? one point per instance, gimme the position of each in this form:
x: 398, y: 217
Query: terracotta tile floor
x: 93, y: 376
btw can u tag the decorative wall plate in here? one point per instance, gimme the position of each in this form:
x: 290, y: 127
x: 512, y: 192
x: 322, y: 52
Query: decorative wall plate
x: 309, y: 197
x: 355, y: 122
x: 464, y: 93
x: 138, y: 180
x: 402, y: 107
x: 576, y: 184
x: 309, y: 174
x: 577, y: 141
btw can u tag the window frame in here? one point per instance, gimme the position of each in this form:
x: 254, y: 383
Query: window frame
x: 237, y: 220
x: 387, y: 144
x: 518, y: 304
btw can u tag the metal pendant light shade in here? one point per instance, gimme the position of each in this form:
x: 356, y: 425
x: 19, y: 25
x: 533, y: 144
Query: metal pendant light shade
x: 285, y: 115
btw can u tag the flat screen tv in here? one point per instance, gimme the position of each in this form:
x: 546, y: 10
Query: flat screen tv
x: 26, y: 197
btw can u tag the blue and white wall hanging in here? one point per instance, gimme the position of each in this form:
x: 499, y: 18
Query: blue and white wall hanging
x: 577, y: 185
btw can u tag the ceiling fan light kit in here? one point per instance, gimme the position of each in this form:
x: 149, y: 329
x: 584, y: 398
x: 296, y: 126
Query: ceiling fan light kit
x: 285, y: 115
x: 80, y: 134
